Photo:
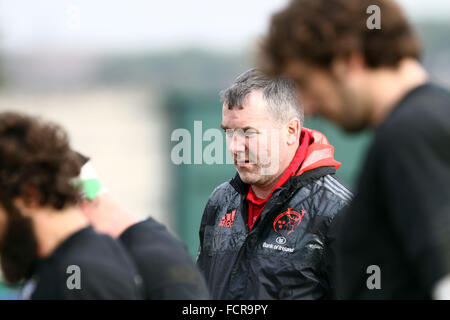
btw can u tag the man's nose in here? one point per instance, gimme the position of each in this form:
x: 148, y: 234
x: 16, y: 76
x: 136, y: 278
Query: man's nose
x: 236, y: 144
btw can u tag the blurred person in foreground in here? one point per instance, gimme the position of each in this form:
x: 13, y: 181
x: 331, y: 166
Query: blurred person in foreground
x: 44, y: 237
x: 167, y: 270
x: 265, y: 234
x: 361, y: 77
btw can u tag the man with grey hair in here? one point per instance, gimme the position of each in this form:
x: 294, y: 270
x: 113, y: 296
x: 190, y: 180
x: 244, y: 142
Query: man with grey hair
x: 268, y: 232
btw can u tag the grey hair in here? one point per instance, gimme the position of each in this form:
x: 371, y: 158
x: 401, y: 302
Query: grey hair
x: 279, y: 93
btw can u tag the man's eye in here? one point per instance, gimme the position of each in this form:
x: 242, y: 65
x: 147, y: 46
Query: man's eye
x: 229, y: 132
x: 250, y: 132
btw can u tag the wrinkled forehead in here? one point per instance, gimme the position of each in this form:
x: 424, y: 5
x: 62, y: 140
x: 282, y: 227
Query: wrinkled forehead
x: 253, y: 113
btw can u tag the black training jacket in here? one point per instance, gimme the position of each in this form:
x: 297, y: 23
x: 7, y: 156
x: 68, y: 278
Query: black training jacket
x: 288, y: 254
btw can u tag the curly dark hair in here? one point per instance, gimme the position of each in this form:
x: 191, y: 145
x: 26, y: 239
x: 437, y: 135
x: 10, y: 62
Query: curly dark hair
x: 318, y: 31
x: 36, y: 160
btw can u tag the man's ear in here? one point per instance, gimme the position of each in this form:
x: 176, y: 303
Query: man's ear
x: 293, y: 131
x: 356, y: 61
x: 88, y: 207
x: 32, y: 197
x: 341, y: 67
x: 25, y: 206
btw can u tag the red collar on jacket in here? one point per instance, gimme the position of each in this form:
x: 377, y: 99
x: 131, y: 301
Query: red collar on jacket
x: 289, y: 172
x: 313, y: 152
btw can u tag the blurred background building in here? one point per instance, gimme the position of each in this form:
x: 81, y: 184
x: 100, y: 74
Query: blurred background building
x: 120, y: 76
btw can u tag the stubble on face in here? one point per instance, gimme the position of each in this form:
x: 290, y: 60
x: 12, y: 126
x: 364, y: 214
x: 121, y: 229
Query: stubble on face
x: 254, y: 158
x: 252, y: 165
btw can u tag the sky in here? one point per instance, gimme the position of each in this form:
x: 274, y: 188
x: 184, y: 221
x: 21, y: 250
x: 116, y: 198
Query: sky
x: 116, y: 25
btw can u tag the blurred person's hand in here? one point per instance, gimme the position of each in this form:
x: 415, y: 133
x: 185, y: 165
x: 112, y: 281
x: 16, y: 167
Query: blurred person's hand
x: 103, y: 213
x: 106, y: 216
